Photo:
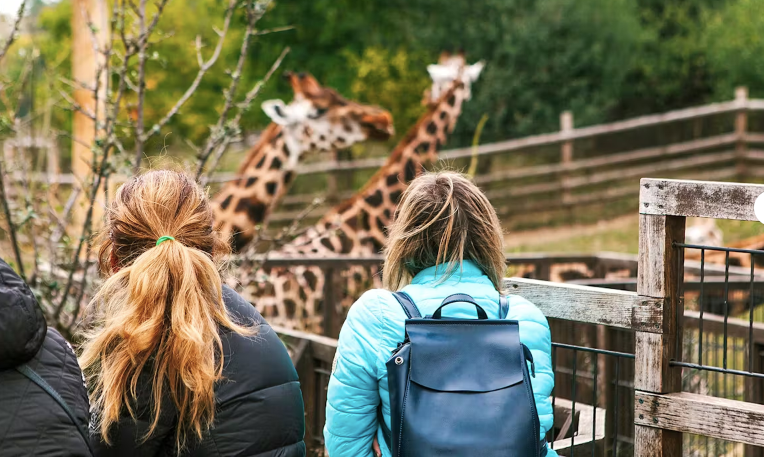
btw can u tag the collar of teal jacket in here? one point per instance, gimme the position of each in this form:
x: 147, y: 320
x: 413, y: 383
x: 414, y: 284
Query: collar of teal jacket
x: 469, y: 271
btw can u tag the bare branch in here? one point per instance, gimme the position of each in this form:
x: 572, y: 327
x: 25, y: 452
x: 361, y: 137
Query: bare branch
x: 242, y: 106
x: 11, y: 225
x: 14, y: 30
x: 254, y: 13
x: 252, y: 94
x: 274, y: 30
x: 76, y: 106
x: 200, y: 74
x: 143, y: 44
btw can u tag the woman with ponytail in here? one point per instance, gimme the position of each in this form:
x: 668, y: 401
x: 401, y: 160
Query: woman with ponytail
x: 177, y: 363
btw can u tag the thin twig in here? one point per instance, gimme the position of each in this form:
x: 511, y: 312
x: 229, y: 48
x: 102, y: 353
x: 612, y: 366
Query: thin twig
x: 274, y: 30
x: 143, y: 44
x: 242, y: 107
x: 11, y: 226
x: 218, y: 132
x: 204, y: 67
x: 14, y: 29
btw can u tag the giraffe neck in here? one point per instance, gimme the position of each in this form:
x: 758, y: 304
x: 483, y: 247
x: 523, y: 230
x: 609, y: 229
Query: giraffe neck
x: 358, y: 225
x: 264, y: 178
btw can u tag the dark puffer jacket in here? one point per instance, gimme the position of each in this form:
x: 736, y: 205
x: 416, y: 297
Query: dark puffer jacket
x: 259, y: 403
x: 31, y: 422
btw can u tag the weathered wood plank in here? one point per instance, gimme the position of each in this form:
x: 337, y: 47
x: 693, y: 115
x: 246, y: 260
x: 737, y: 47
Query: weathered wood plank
x: 660, y: 276
x: 591, y: 305
x: 717, y: 200
x: 701, y: 415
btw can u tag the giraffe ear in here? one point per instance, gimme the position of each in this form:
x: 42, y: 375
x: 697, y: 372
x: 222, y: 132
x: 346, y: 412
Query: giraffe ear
x: 473, y: 71
x: 277, y: 111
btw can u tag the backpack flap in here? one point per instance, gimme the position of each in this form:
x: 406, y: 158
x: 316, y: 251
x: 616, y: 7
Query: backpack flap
x: 459, y: 356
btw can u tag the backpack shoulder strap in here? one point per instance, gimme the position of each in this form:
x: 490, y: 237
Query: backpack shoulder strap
x: 503, y: 306
x: 412, y: 312
x: 37, y: 379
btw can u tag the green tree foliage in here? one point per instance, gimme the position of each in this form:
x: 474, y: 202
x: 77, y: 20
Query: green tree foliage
x: 602, y: 59
x: 735, y: 47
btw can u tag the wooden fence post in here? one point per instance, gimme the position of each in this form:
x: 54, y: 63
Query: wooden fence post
x: 566, y: 152
x: 741, y: 126
x: 660, y: 277
x: 332, y: 296
x: 754, y: 390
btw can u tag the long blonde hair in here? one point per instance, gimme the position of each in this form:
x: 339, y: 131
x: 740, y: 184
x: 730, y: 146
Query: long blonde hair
x: 160, y: 307
x: 443, y: 219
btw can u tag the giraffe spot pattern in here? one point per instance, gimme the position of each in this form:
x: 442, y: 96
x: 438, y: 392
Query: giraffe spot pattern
x: 392, y: 179
x: 365, y: 223
x: 375, y: 199
x: 288, y: 177
x: 410, y: 170
x: 327, y: 243
x: 311, y: 278
x: 276, y: 163
x: 432, y: 128
x: 250, y: 181
x: 255, y: 211
x: 226, y: 202
x: 270, y: 187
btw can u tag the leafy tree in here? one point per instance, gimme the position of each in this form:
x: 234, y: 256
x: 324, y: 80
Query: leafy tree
x: 735, y: 45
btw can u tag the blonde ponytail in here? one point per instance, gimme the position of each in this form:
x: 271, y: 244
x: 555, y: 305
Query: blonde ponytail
x: 160, y: 309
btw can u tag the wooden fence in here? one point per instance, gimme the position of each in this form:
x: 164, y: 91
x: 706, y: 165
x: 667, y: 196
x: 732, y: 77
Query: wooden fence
x: 571, y: 169
x: 655, y: 319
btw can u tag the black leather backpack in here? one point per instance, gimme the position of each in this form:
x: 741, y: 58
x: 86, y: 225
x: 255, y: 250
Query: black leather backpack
x: 461, y: 387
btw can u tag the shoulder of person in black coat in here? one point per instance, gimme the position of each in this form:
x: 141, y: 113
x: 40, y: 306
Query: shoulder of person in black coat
x: 22, y: 324
x: 32, y: 422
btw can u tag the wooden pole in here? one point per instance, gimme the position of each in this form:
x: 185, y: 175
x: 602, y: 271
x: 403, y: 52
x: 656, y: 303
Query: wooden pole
x: 85, y: 63
x: 741, y: 126
x: 566, y: 151
x: 660, y: 277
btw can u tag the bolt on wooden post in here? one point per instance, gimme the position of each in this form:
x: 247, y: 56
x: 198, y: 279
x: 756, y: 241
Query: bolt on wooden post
x: 660, y: 276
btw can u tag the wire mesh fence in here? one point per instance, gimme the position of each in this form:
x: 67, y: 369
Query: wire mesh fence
x: 723, y: 341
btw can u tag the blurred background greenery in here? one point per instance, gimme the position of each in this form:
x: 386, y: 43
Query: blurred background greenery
x: 601, y: 59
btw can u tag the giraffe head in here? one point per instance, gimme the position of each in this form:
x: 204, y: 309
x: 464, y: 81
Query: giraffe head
x: 320, y: 119
x: 451, y: 67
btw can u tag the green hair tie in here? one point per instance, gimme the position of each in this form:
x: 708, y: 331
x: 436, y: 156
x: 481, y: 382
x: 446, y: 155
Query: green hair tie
x: 164, y: 238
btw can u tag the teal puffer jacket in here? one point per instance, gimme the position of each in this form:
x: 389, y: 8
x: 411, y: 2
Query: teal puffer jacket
x: 375, y: 326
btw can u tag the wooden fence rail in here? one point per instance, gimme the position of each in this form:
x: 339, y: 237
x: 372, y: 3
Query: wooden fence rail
x: 571, y: 168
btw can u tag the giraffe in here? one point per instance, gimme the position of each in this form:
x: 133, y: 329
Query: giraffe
x: 357, y: 226
x: 318, y: 119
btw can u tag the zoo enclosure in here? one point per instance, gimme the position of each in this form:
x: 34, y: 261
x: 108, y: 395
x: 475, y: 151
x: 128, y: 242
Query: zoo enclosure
x: 653, y: 318
x: 574, y: 168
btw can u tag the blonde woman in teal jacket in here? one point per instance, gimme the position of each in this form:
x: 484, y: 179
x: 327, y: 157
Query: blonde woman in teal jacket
x: 445, y: 239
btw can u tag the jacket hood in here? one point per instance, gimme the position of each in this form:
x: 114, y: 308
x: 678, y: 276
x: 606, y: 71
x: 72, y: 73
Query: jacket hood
x: 22, y: 324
